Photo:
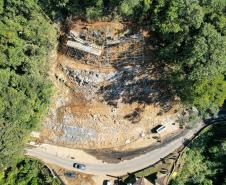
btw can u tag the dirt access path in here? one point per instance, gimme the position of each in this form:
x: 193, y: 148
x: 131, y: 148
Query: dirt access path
x: 111, y: 101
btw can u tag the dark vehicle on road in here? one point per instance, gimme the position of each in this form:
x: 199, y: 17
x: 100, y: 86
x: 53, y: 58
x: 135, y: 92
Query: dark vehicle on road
x: 70, y: 174
x: 79, y: 166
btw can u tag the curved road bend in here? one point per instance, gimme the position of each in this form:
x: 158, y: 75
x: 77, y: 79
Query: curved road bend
x: 122, y: 168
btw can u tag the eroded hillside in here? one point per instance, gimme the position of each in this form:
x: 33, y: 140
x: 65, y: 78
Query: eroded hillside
x: 110, y: 100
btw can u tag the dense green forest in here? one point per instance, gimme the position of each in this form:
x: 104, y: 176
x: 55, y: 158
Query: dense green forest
x: 26, y: 36
x: 190, y: 36
x: 204, y: 162
x: 27, y: 171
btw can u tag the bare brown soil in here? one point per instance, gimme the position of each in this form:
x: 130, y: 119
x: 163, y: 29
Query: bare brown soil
x: 114, y: 104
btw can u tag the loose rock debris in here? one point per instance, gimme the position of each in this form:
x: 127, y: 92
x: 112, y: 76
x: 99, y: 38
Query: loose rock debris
x: 101, y: 97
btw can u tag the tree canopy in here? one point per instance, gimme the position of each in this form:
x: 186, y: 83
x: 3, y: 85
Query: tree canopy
x: 204, y: 161
x: 193, y: 33
x: 26, y: 36
x: 27, y: 171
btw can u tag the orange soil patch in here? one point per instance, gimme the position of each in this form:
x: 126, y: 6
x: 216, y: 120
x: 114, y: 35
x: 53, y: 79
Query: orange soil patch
x: 114, y: 27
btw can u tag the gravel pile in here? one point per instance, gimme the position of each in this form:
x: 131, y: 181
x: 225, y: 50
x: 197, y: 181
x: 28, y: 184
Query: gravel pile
x: 75, y: 134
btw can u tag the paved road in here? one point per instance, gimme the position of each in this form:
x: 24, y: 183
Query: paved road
x: 118, y: 169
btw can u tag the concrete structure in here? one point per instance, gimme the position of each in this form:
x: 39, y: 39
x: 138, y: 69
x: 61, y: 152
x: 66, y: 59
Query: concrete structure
x: 84, y: 47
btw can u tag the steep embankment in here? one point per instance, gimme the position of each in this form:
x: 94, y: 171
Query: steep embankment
x: 113, y: 100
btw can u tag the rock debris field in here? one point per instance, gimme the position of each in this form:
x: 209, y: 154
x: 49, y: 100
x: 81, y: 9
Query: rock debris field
x: 101, y: 104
